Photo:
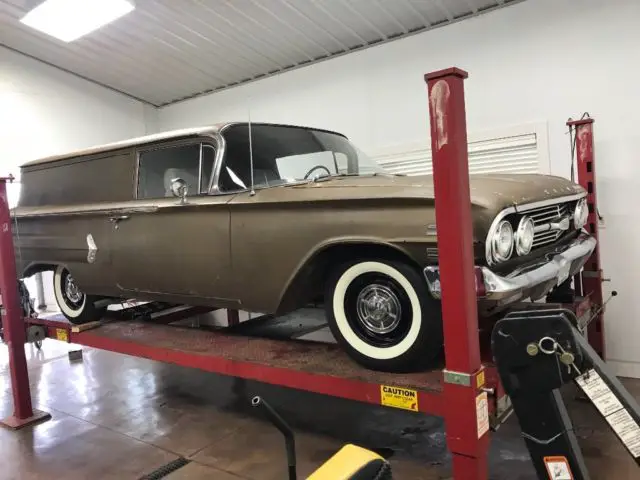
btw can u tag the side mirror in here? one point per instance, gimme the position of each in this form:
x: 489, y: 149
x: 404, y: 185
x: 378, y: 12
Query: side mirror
x: 179, y: 189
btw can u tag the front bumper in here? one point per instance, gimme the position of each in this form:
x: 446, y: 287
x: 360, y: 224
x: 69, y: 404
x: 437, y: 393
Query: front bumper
x: 532, y: 281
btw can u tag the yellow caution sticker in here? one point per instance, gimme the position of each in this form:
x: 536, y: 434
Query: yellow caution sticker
x: 480, y: 380
x: 62, y: 335
x: 399, y: 397
x: 558, y: 468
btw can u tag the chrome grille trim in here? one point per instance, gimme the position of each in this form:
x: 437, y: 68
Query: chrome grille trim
x: 547, y: 214
x: 545, y: 220
x: 545, y: 210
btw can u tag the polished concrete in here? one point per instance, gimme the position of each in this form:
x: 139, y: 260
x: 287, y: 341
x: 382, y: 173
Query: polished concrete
x: 119, y: 417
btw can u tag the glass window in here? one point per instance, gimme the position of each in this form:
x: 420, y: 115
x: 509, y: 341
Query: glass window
x: 285, y: 154
x: 158, y: 167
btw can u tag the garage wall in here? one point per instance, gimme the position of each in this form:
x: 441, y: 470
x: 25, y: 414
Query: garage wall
x: 45, y: 111
x: 537, y: 61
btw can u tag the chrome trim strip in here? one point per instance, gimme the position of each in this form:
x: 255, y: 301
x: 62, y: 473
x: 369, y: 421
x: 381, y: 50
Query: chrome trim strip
x: 549, y: 202
x: 199, y: 186
x: 120, y: 208
x: 521, y: 209
x: 214, y: 189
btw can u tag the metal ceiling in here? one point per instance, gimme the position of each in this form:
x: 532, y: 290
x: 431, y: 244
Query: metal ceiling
x: 169, y: 50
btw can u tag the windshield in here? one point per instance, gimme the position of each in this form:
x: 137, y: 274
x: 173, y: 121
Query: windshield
x: 285, y: 154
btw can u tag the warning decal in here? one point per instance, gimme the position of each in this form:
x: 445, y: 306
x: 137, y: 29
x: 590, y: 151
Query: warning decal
x: 482, y: 413
x: 613, y: 411
x: 558, y: 468
x: 399, y: 397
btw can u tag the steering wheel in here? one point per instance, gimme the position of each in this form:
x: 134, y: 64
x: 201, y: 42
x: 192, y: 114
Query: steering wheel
x: 317, y: 167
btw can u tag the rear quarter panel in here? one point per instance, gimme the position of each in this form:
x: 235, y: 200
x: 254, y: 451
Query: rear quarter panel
x: 63, y: 201
x: 62, y: 239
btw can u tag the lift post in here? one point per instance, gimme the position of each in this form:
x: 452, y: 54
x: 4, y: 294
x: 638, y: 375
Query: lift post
x: 466, y: 406
x: 13, y: 324
x: 590, y: 280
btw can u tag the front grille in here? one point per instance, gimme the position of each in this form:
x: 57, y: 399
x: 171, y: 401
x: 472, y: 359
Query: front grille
x: 544, y: 218
x: 550, y: 222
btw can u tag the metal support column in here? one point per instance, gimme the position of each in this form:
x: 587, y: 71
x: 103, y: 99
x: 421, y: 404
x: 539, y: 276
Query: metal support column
x: 13, y: 324
x: 465, y: 405
x: 591, y: 276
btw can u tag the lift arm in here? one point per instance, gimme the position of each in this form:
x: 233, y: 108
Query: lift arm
x: 539, y: 351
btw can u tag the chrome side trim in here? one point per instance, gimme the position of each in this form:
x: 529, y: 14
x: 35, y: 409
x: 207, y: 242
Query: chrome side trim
x: 521, y: 209
x: 214, y: 189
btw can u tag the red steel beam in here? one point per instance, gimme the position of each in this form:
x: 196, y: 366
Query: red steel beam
x: 13, y: 324
x: 429, y: 402
x: 467, y: 438
x: 592, y: 273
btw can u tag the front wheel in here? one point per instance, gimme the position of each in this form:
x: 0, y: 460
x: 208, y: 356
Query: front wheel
x: 381, y: 312
x: 76, y: 306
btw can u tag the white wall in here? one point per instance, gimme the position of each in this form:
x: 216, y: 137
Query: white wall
x: 45, y: 111
x: 541, y: 60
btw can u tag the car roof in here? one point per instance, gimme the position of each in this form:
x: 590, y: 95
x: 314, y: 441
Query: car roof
x: 146, y: 139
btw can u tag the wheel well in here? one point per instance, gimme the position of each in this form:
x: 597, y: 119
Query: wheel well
x: 38, y: 268
x: 308, y: 283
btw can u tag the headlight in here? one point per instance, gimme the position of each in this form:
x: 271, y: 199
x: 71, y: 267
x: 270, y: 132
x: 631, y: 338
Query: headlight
x: 524, y: 236
x: 580, y: 214
x: 502, y: 241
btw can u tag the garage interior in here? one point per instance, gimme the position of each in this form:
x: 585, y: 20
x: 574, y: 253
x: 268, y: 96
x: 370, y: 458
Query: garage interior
x: 355, y: 67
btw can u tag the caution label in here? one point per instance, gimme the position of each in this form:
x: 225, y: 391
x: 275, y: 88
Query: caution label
x: 399, y: 397
x: 616, y: 415
x: 480, y: 380
x: 558, y: 468
x: 62, y: 335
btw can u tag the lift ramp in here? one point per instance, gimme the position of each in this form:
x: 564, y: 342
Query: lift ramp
x: 536, y: 353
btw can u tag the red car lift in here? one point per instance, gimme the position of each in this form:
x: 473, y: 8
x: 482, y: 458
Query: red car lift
x: 470, y: 392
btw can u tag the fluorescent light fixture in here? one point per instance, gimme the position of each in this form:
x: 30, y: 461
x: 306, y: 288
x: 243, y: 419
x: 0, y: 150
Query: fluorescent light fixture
x: 68, y: 20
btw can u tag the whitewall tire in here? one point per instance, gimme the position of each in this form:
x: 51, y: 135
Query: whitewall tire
x: 76, y: 306
x: 381, y: 312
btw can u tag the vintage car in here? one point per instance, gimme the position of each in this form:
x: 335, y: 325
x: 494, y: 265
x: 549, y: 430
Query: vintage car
x: 269, y: 218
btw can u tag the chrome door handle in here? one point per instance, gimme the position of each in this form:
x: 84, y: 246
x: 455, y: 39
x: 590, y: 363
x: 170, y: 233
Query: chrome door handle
x: 118, y: 218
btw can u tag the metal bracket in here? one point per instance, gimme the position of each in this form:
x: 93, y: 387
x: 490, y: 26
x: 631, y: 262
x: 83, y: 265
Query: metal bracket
x: 457, y: 378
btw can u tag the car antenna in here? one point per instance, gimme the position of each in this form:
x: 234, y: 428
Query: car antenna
x: 252, y: 192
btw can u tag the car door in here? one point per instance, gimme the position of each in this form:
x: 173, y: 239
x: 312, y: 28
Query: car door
x: 164, y: 247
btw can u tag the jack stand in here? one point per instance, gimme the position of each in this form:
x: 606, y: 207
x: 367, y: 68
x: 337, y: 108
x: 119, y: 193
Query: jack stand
x: 536, y: 353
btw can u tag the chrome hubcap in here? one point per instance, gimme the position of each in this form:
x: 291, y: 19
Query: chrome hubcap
x: 379, y: 308
x: 72, y: 291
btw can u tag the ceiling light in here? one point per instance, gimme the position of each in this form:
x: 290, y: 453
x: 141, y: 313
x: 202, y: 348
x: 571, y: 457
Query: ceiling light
x: 68, y: 20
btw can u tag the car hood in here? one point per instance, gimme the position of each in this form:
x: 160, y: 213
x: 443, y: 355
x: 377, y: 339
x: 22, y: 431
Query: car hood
x: 491, y: 191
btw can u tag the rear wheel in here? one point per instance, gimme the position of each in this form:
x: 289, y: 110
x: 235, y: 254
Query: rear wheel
x: 75, y: 305
x: 381, y: 312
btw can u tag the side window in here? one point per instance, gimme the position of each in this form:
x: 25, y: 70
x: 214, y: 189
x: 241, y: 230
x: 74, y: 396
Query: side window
x: 159, y: 166
x: 342, y: 162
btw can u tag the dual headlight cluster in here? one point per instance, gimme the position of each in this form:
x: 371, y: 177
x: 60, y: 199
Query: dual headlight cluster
x: 504, y: 240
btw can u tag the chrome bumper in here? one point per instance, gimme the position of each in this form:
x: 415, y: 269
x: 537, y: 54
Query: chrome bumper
x: 531, y: 281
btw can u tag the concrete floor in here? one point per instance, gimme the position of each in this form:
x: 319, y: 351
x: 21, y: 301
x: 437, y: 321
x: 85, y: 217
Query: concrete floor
x: 120, y: 417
